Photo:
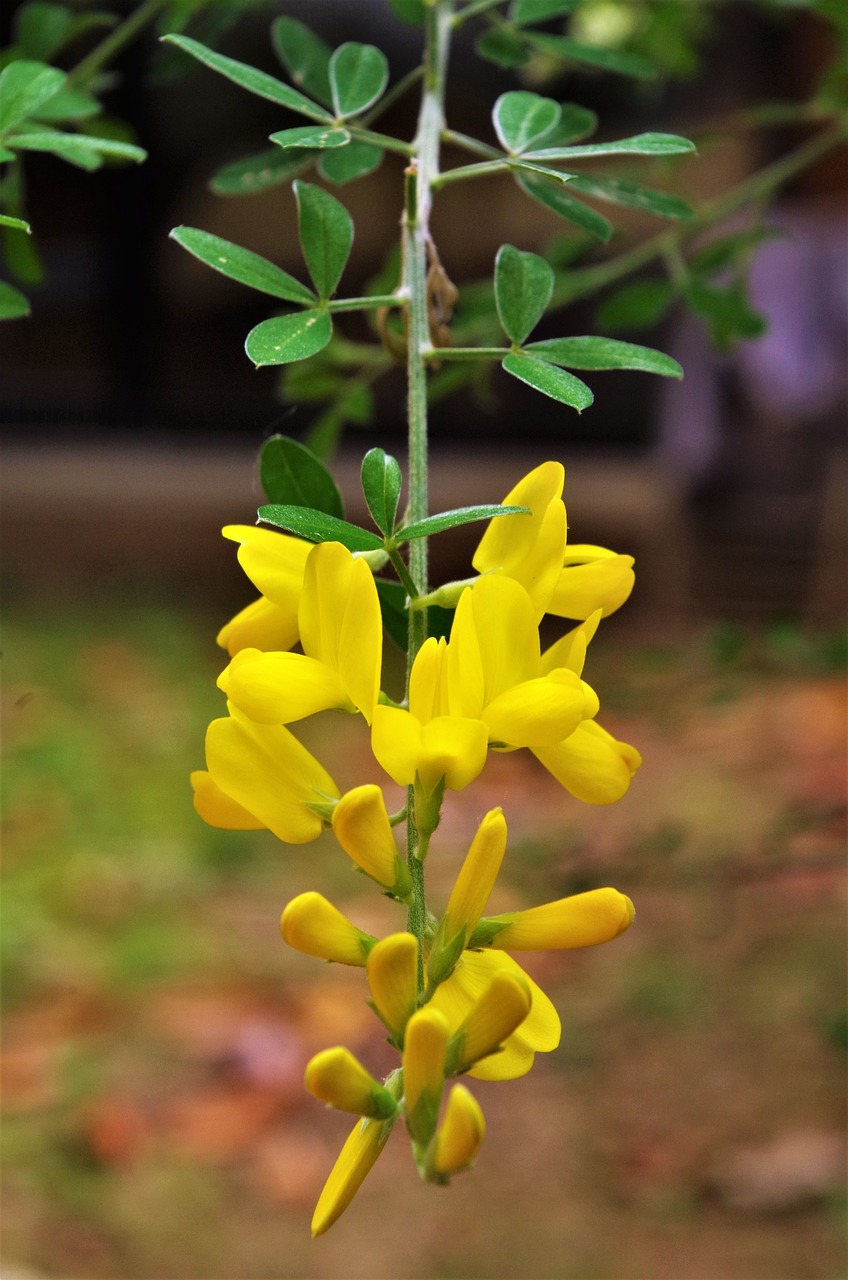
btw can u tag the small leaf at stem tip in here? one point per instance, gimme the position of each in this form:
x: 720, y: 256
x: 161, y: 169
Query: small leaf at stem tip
x: 524, y: 283
x: 453, y: 519
x: 326, y: 235
x: 318, y: 526
x: 551, y: 381
x: 243, y: 265
x: 291, y: 475
x: 310, y: 137
x: 522, y: 118
x: 381, y: 483
x: 604, y: 353
x: 250, y: 78
x: 359, y: 74
x: 286, y: 338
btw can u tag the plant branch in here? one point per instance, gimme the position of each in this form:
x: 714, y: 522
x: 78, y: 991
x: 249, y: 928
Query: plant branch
x: 114, y: 43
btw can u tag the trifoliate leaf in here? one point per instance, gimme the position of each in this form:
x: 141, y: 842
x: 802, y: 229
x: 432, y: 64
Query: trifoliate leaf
x: 258, y: 173
x: 345, y: 164
x: 631, y: 195
x: 560, y: 202
x: 526, y: 12
x: 616, y: 60
x: 311, y: 137
x: 501, y: 47
x: 636, y: 306
x: 453, y: 519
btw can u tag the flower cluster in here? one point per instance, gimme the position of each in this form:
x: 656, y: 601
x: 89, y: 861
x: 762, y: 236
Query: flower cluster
x: 453, y: 1000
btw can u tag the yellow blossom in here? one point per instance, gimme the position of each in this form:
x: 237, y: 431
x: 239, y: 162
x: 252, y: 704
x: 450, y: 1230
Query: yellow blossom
x: 263, y: 771
x: 361, y: 825
x: 500, y: 1009
x: 355, y: 1161
x: 275, y: 564
x: 392, y: 970
x: 336, y: 1077
x: 460, y: 1134
x: 591, y: 578
x: 591, y: 764
x: 424, y: 1047
x: 469, y: 895
x: 582, y: 920
x: 341, y: 632
x: 313, y: 925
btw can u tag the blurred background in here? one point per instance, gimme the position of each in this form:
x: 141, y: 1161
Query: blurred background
x: 155, y: 1029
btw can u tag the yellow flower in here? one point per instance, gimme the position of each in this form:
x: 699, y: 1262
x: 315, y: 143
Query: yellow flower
x: 529, y: 548
x: 591, y: 578
x: 313, y: 925
x: 582, y: 920
x: 495, y: 673
x: 591, y: 764
x: 341, y: 632
x: 424, y: 1048
x: 539, y: 1032
x: 336, y: 1077
x: 469, y: 895
x: 263, y: 772
x: 361, y: 825
x: 457, y: 1142
x: 275, y: 564
x: 356, y: 1160
x: 426, y: 742
x: 500, y: 1010
x: 392, y: 970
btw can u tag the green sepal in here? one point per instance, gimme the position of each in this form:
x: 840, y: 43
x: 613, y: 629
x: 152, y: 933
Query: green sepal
x: 604, y: 353
x: 250, y: 78
x: 385, y: 1107
x: 551, y: 381
x: 522, y: 118
x: 359, y: 74
x: 381, y: 480
x: 444, y: 954
x: 487, y: 929
x: 286, y: 338
x: 422, y: 1120
x: 243, y: 265
x: 291, y: 475
x: 453, y: 519
x: 524, y: 283
x: 326, y: 235
x: 565, y: 206
x: 305, y: 56
x: 311, y: 137
x: 428, y: 810
x: 318, y: 526
x: 24, y: 87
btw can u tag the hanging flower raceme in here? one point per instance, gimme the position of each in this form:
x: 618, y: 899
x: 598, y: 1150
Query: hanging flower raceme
x: 477, y: 1013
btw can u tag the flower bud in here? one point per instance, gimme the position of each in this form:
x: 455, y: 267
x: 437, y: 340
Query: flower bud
x: 361, y: 825
x: 424, y: 1047
x: 500, y: 1010
x: 336, y: 1077
x: 312, y: 924
x: 583, y: 920
x: 456, y: 1144
x: 392, y: 968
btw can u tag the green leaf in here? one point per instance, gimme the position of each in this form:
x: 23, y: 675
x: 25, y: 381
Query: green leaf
x: 326, y: 235
x: 311, y: 137
x: 78, y: 148
x: 286, y: 338
x: 526, y: 12
x: 641, y: 144
x: 524, y: 283
x: 67, y: 104
x: 257, y: 173
x: 521, y: 118
x: 575, y: 122
x: 453, y: 519
x: 17, y: 224
x: 242, y: 265
x: 604, y: 353
x: 637, y: 306
x: 291, y: 475
x: 727, y: 251
x: 727, y: 311
x: 355, y: 161
x: 305, y: 56
x: 501, y: 47
x: 41, y: 29
x: 251, y: 78
x: 318, y: 526
x: 409, y: 10
x: 616, y: 60
x: 22, y: 257
x: 24, y: 87
x: 13, y: 304
x: 381, y: 483
x: 359, y: 74
x: 551, y: 381
x: 560, y: 202
x: 632, y: 196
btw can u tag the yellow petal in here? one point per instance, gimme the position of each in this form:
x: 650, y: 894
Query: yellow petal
x: 392, y: 969
x: 500, y: 1010
x: 218, y: 809
x: 265, y: 769
x: 537, y: 712
x: 424, y: 1046
x: 477, y: 875
x: 591, y: 764
x: 262, y: 625
x: 314, y: 926
x: 428, y: 681
x: 529, y: 548
x: 570, y: 650
x: 336, y: 1077
x: 601, y: 583
x: 279, y: 688
x: 274, y: 562
x: 461, y: 1132
x: 355, y: 1161
x: 583, y: 920
x: 362, y: 828
x: 494, y: 645
x: 448, y: 747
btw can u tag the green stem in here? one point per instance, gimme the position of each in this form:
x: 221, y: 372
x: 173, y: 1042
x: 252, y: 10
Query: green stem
x: 420, y: 179
x: 384, y: 140
x: 472, y: 9
x: 465, y: 172
x: 402, y: 571
x: 370, y: 302
x: 114, y: 43
x: 465, y: 354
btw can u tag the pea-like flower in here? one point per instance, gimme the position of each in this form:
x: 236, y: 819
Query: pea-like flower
x: 274, y: 563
